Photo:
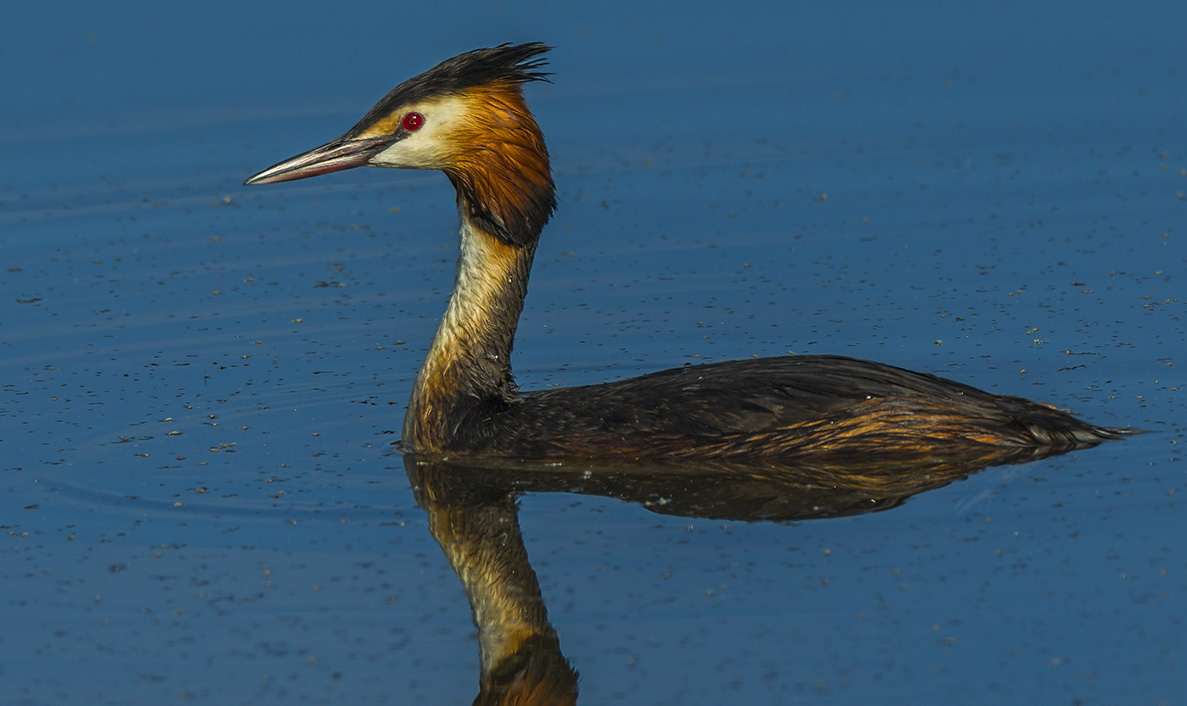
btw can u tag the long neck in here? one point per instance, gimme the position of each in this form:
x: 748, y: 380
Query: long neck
x: 505, y: 195
x: 468, y: 367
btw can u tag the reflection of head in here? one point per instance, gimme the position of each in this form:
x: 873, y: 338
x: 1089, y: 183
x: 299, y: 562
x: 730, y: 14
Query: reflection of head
x: 537, y: 674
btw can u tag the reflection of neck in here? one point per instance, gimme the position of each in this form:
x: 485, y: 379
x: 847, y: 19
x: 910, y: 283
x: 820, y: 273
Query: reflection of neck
x: 520, y: 654
x: 485, y: 548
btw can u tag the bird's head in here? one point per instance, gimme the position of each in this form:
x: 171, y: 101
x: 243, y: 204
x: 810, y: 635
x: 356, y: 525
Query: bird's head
x: 466, y: 117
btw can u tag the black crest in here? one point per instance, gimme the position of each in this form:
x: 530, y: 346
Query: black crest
x: 513, y: 63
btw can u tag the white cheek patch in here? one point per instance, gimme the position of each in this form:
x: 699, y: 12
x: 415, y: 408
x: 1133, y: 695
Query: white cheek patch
x: 429, y: 147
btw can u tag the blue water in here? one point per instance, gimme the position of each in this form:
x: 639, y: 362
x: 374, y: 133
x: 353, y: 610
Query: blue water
x: 200, y: 383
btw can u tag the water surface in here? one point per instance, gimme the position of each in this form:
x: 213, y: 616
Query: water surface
x: 200, y: 383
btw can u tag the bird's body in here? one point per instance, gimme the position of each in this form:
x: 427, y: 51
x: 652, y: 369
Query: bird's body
x: 467, y: 117
x: 790, y: 408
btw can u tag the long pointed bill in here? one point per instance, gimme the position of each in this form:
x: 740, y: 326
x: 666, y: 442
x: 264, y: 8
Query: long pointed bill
x: 333, y: 157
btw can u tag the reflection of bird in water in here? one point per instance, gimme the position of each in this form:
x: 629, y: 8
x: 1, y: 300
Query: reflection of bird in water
x: 473, y: 515
x: 467, y: 117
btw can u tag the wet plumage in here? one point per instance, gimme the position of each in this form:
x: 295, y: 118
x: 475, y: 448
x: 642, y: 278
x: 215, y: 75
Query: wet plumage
x: 467, y: 117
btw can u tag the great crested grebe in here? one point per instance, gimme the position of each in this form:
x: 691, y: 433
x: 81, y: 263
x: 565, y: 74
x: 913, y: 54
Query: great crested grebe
x: 467, y: 117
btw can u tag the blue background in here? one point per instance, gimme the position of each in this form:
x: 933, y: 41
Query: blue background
x: 199, y: 382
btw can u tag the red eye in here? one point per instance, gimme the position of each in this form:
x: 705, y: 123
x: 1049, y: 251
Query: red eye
x: 412, y: 122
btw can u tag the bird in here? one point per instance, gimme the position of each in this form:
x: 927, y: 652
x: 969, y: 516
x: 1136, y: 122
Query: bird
x: 467, y: 117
